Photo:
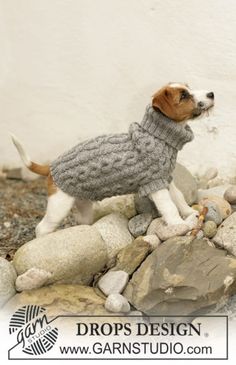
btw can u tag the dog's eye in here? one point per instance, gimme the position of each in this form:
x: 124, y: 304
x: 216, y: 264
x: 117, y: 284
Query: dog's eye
x: 184, y: 95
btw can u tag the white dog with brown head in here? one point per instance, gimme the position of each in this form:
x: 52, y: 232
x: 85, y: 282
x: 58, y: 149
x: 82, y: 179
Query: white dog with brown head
x: 175, y: 101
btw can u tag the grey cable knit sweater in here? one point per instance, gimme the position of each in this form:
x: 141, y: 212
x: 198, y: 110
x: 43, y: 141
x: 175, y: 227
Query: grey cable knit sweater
x: 141, y: 160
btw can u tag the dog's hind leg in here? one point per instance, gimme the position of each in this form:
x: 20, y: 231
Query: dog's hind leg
x: 58, y: 207
x: 85, y: 211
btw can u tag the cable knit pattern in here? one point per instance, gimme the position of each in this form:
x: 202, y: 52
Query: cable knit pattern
x: 141, y: 160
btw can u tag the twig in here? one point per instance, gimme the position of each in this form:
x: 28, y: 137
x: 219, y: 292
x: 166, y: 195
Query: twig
x: 201, y: 219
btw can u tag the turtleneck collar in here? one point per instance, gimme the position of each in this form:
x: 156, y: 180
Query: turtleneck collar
x: 173, y: 133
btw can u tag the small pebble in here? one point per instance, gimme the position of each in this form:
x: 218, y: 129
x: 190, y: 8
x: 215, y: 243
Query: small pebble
x: 32, y: 279
x: 230, y: 195
x: 223, y: 205
x: 163, y: 231
x: 138, y: 225
x: 117, y: 303
x: 200, y: 235
x: 215, y: 182
x: 153, y: 240
x: 210, y: 229
x: 213, y: 213
x: 197, y: 207
x: 113, y: 282
x: 211, y: 173
x: 7, y: 224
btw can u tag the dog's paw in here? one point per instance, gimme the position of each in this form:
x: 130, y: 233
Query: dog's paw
x: 192, y: 220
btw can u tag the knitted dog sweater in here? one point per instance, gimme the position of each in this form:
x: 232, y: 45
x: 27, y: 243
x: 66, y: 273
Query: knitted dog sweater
x: 140, y: 161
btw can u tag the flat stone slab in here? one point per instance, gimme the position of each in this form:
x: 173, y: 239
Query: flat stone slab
x: 181, y: 277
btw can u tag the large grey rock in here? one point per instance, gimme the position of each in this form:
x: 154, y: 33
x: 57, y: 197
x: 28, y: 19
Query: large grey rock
x: 181, y: 277
x: 123, y: 204
x: 115, y: 233
x: 226, y: 234
x: 71, y: 255
x: 7, y: 281
x: 186, y: 183
x: 138, y: 225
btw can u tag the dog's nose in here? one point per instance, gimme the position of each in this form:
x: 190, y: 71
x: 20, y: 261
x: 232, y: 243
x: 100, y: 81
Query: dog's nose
x: 200, y: 104
x: 210, y: 95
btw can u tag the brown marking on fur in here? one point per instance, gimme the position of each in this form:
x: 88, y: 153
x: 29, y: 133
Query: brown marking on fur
x: 39, y: 169
x: 52, y: 188
x: 168, y: 101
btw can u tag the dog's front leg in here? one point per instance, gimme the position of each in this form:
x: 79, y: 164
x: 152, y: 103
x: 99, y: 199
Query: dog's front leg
x: 180, y: 202
x: 166, y: 207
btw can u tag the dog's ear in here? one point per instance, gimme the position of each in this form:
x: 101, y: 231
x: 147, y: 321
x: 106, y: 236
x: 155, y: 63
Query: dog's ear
x: 161, y: 101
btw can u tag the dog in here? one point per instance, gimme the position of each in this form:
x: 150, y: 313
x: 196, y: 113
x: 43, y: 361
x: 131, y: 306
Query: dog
x: 139, y: 161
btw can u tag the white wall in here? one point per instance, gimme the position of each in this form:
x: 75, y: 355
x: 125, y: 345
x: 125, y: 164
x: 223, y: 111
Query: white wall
x: 71, y: 69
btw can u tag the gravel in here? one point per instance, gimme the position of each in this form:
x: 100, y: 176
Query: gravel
x: 23, y: 205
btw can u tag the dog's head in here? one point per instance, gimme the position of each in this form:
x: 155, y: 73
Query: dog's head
x: 179, y: 103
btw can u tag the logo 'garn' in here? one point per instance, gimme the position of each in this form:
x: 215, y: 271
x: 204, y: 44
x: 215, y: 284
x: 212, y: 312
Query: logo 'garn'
x: 34, y: 332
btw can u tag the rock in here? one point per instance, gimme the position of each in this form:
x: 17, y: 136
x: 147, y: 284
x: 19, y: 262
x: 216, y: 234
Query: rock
x: 131, y: 256
x: 213, y: 213
x: 145, y: 205
x: 230, y: 195
x: 228, y: 308
x: 186, y: 183
x: 15, y: 173
x: 114, y: 231
x: 216, y: 191
x: 210, y: 229
x: 7, y: 224
x: 113, y: 282
x: 117, y: 303
x: 226, y: 234
x: 138, y: 225
x: 211, y: 173
x: 197, y: 207
x: 32, y: 279
x: 164, y: 232
x: 224, y: 206
x: 233, y: 208
x: 7, y: 282
x: 215, y: 182
x: 60, y: 299
x: 123, y: 204
x: 3, y: 175
x: 153, y: 240
x: 71, y: 255
x: 200, y: 234
x: 181, y: 277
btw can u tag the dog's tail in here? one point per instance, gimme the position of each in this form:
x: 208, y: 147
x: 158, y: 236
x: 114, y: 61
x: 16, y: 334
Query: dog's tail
x: 32, y: 166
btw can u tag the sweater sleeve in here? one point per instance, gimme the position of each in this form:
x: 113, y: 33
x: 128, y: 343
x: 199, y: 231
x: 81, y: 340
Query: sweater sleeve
x: 155, y: 185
